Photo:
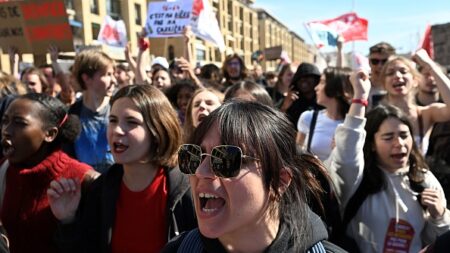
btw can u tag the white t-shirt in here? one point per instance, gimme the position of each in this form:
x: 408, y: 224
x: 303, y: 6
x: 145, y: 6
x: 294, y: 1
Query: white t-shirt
x: 322, y: 141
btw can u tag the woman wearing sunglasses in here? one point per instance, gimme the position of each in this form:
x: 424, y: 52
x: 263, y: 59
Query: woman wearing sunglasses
x: 249, y: 185
x: 140, y: 202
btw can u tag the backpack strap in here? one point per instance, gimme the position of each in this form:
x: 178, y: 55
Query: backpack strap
x: 421, y: 134
x: 311, y: 129
x: 192, y: 243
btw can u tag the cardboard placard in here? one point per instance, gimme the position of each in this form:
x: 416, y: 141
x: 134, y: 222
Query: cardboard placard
x: 273, y: 53
x: 167, y: 19
x: 32, y: 25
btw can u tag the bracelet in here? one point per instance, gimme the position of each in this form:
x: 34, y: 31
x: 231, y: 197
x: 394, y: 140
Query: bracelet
x: 363, y: 102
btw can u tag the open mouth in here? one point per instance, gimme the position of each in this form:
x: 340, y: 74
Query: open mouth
x: 399, y: 85
x: 119, y: 147
x: 210, y: 203
x: 7, y: 148
x: 399, y: 156
x: 201, y: 117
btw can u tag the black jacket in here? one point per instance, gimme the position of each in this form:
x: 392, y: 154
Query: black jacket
x: 92, y: 231
x: 282, y: 244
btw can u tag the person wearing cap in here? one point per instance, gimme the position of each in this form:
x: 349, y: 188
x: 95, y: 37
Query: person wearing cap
x: 301, y: 96
x: 378, y: 56
x: 161, y: 61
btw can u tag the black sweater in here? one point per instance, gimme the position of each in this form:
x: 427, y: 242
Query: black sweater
x: 92, y: 230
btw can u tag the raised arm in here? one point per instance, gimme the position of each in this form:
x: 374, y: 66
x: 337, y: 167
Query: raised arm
x: 436, y: 112
x: 187, y: 52
x: 346, y: 162
x: 128, y: 56
x: 14, y: 62
x: 66, y: 94
x: 141, y: 75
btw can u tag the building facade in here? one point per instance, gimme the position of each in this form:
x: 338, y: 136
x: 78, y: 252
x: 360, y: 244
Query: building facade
x: 244, y: 28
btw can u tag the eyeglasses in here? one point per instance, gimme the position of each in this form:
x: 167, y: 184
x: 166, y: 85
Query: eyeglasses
x: 225, y: 160
x: 378, y: 61
x: 234, y: 64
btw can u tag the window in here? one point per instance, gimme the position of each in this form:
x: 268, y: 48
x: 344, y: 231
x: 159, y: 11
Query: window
x: 137, y: 14
x: 95, y: 30
x: 69, y: 4
x: 113, y: 9
x: 94, y: 6
x: 201, y: 54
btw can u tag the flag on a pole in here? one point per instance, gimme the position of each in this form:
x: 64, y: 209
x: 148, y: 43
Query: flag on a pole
x: 113, y: 33
x: 427, y: 42
x: 349, y: 26
x: 204, y: 23
x: 321, y: 34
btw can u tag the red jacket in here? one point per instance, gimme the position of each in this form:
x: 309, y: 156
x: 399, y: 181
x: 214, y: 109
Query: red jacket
x: 25, y: 212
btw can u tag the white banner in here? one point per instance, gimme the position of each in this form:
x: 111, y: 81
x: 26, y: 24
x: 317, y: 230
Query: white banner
x: 168, y: 19
x: 204, y: 23
x: 113, y: 33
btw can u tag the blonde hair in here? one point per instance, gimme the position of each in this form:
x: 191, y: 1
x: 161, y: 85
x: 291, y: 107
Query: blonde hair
x: 409, y: 64
x: 10, y: 85
x: 89, y: 62
x: 189, y: 128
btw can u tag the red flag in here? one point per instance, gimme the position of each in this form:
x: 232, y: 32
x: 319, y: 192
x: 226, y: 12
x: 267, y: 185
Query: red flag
x: 427, y: 42
x: 349, y: 26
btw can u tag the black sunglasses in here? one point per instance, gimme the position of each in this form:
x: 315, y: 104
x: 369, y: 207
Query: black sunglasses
x: 378, y: 61
x: 225, y: 160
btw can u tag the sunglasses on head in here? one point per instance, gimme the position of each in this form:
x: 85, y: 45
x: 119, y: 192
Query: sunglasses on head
x: 378, y: 61
x: 225, y: 160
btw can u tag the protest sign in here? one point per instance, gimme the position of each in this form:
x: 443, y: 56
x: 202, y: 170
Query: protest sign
x: 205, y: 25
x: 113, y: 33
x: 32, y: 25
x: 167, y: 19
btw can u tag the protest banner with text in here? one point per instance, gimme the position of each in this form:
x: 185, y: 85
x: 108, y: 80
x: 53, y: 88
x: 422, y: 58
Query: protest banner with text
x: 32, y: 25
x: 168, y: 19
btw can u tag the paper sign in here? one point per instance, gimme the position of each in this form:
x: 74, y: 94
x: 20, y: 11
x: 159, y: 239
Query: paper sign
x: 167, y: 19
x: 398, y: 237
x: 32, y: 25
x: 113, y: 33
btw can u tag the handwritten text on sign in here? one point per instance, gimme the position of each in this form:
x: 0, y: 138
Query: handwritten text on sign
x: 167, y: 19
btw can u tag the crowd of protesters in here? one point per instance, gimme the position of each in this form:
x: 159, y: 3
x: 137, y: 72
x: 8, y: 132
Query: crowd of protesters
x: 159, y: 156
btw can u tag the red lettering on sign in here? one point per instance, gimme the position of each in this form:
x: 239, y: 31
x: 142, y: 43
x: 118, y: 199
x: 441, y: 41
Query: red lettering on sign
x: 50, y: 32
x: 42, y: 10
x: 109, y: 33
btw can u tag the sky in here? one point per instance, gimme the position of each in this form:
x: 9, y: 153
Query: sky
x: 399, y: 22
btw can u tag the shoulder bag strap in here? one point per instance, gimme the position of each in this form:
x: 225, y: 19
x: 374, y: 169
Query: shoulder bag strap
x: 311, y: 129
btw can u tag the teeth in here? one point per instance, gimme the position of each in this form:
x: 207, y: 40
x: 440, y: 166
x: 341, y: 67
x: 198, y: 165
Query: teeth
x: 206, y: 210
x: 207, y: 195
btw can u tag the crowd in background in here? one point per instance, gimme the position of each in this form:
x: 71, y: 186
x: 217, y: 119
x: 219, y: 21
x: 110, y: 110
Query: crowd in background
x: 144, y: 156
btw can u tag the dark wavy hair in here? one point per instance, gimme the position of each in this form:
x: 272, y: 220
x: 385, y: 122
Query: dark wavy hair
x: 54, y: 113
x: 374, y: 180
x: 229, y: 58
x: 267, y: 134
